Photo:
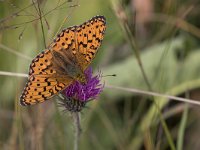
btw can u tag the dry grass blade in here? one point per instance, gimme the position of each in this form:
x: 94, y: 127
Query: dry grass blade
x: 14, y: 52
x: 169, y: 97
x: 4, y: 73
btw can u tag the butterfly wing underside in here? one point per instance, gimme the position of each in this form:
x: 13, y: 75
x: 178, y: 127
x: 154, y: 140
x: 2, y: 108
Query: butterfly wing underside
x: 74, y: 47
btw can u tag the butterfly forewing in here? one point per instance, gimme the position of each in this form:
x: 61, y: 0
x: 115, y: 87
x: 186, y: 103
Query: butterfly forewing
x: 89, y: 38
x: 84, y: 40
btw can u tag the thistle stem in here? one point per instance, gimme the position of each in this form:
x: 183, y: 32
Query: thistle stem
x: 77, y: 129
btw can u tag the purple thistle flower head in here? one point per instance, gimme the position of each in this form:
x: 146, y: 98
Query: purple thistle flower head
x: 78, y: 93
x: 85, y: 91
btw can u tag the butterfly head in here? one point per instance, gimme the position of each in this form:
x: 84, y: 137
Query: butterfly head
x: 81, y: 78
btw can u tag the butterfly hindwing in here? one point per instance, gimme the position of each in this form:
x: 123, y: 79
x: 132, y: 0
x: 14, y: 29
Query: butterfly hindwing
x: 44, y: 80
x: 40, y: 88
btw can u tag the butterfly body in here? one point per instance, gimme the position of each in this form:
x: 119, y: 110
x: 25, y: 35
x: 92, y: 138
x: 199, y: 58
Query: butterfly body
x: 64, y: 61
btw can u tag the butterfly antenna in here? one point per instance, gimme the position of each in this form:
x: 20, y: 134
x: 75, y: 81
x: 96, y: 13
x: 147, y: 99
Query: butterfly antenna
x: 109, y: 75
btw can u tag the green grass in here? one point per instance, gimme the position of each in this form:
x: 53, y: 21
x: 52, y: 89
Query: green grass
x: 160, y: 54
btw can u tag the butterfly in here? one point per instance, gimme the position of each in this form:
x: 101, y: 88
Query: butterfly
x: 64, y: 61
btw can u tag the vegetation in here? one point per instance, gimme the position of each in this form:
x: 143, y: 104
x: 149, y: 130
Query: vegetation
x: 151, y: 46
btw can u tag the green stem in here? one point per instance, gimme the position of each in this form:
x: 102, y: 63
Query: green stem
x: 137, y: 54
x: 77, y: 129
x: 182, y: 128
x: 134, y: 46
x: 41, y: 23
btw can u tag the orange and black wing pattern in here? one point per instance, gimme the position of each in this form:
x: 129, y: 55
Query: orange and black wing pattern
x: 50, y: 71
x: 84, y: 40
x: 43, y: 81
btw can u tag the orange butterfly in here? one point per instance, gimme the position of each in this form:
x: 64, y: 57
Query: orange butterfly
x: 64, y: 61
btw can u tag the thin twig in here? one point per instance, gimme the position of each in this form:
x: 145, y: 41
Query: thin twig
x: 15, y: 14
x: 77, y: 129
x: 136, y: 51
x: 14, y: 26
x: 41, y: 23
x: 70, y: 13
x: 133, y: 90
x: 14, y: 74
x: 169, y: 97
x: 3, y: 47
x: 177, y: 22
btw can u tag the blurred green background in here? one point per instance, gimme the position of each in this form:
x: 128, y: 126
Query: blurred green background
x: 150, y: 45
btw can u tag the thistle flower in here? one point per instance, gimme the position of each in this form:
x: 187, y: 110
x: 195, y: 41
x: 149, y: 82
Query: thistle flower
x: 78, y: 94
